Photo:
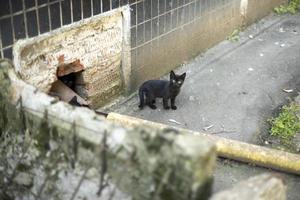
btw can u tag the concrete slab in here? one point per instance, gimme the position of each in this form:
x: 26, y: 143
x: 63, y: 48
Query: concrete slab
x: 235, y: 88
x: 228, y: 173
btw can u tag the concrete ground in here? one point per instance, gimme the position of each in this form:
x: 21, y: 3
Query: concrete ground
x: 233, y: 88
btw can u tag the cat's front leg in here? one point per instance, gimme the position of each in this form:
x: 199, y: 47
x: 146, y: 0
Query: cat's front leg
x: 149, y: 100
x: 173, y: 104
x: 165, y: 103
x: 152, y: 106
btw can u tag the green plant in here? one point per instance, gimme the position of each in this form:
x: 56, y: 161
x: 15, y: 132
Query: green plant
x: 292, y: 8
x: 287, y: 124
x: 234, y: 36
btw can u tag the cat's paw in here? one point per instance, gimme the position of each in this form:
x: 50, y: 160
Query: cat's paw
x: 141, y: 107
x: 167, y: 107
x: 152, y: 107
x: 174, y: 107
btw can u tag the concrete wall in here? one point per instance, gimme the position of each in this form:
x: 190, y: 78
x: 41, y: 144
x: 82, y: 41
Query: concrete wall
x: 194, y: 26
x: 143, y: 162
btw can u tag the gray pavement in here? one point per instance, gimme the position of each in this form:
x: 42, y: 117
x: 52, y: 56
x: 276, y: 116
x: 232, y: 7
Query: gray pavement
x: 235, y: 88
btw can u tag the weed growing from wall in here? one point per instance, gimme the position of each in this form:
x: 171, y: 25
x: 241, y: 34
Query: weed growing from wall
x: 234, y: 36
x: 291, y: 8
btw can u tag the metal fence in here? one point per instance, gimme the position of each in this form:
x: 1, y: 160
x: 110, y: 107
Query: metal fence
x: 150, y: 19
x: 28, y: 18
x: 164, y: 33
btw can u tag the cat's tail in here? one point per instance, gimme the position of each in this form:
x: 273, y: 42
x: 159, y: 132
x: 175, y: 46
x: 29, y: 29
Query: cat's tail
x: 141, y: 96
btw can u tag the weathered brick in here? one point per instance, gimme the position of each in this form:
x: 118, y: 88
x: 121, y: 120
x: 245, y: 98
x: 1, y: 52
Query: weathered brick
x: 94, y: 46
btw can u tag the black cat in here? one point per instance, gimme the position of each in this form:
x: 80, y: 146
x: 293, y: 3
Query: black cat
x: 161, y: 89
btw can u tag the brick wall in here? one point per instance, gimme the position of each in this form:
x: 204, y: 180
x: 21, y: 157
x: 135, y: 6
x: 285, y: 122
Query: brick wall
x: 95, y: 44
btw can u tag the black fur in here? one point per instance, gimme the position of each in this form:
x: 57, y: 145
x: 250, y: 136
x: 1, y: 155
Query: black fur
x: 74, y: 101
x: 167, y: 90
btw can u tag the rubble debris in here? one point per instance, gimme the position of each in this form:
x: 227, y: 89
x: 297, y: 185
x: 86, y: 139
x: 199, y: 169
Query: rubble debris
x: 288, y: 90
x: 267, y: 142
x: 174, y: 121
x: 208, y: 127
x: 65, y: 93
x: 192, y: 98
x: 281, y: 30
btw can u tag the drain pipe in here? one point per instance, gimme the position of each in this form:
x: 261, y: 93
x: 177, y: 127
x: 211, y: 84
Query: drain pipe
x: 232, y: 149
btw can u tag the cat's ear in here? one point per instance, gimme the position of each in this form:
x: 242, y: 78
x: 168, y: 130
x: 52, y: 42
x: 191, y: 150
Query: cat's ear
x: 183, y: 75
x: 172, y: 75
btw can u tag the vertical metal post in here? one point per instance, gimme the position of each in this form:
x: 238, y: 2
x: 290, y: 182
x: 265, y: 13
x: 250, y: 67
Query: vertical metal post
x: 1, y: 49
x: 37, y: 17
x: 49, y: 16
x: 12, y: 21
x: 71, y: 7
x: 92, y: 8
x: 81, y: 8
x: 25, y: 18
x: 60, y: 14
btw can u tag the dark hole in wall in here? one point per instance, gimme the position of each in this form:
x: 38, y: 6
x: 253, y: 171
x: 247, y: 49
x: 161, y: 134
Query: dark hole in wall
x: 66, y: 86
x: 74, y: 82
x: 66, y: 89
x: 70, y: 80
x: 69, y: 77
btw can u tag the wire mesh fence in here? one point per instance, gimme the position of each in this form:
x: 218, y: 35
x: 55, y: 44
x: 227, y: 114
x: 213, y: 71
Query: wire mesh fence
x: 150, y: 19
x: 28, y: 18
x: 164, y: 33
